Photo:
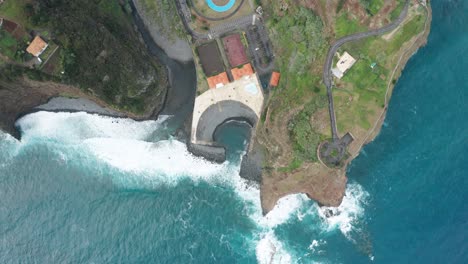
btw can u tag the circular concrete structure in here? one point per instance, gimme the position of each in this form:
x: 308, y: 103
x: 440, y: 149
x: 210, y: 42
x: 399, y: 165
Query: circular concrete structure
x: 220, y: 8
x: 229, y: 9
x: 212, y: 118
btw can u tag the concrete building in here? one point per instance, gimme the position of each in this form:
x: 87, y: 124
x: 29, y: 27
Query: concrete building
x: 345, y: 62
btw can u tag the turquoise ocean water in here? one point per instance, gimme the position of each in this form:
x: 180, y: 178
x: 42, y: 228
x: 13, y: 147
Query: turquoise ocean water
x: 81, y: 188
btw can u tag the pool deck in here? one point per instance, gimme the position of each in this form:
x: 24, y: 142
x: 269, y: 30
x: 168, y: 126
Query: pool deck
x: 231, y: 101
x: 221, y: 8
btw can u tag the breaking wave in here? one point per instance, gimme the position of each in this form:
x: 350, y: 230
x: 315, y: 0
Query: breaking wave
x: 348, y: 213
x: 129, y: 146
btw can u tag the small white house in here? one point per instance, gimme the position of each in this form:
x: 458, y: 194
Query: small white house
x: 345, y: 62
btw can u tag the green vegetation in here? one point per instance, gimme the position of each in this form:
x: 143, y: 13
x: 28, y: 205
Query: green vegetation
x: 14, y: 10
x: 409, y: 30
x: 299, y: 42
x: 165, y: 11
x: 100, y: 50
x: 300, y: 48
x: 345, y: 26
x: 8, y: 44
x: 10, y: 72
x: 300, y: 38
x: 305, y: 139
x: 294, y: 165
x: 372, y: 6
x: 396, y: 12
x: 363, y: 88
x: 50, y: 49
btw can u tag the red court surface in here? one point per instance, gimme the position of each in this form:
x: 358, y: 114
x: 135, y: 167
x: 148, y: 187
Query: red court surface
x: 235, y: 50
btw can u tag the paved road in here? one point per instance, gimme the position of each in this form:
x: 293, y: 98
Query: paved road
x: 239, y: 23
x: 327, y: 78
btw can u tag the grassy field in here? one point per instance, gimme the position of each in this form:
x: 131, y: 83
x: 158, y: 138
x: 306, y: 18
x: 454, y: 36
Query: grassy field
x: 346, y: 26
x: 14, y: 10
x: 362, y: 90
x: 8, y: 44
x: 396, y: 12
x: 372, y: 6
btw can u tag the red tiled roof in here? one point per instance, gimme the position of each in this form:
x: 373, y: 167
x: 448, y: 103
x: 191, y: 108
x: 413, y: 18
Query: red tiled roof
x: 217, y: 79
x: 275, y: 77
x: 37, y: 46
x: 245, y: 70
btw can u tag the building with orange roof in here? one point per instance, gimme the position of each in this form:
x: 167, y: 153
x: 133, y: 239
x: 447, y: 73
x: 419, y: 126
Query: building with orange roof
x: 218, y: 80
x: 275, y: 77
x: 37, y: 46
x: 245, y: 70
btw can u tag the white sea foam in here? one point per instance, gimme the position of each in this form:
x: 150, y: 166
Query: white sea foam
x: 270, y: 250
x: 68, y: 127
x: 121, y: 143
x: 350, y: 210
x: 169, y: 157
x: 283, y: 210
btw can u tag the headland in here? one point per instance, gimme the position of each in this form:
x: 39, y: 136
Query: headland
x: 265, y: 64
x: 312, y: 123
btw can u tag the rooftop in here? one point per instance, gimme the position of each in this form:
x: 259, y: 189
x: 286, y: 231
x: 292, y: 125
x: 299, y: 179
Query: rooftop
x: 245, y: 70
x: 346, y: 61
x: 218, y: 80
x: 37, y: 46
x: 275, y: 77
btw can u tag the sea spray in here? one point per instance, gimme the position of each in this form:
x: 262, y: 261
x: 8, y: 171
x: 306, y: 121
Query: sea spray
x: 125, y: 145
x: 72, y: 127
x: 350, y: 210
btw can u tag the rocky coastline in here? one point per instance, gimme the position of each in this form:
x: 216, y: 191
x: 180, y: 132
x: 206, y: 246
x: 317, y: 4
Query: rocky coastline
x: 26, y: 96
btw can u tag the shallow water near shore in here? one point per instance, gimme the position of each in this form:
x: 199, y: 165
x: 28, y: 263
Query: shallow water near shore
x: 83, y: 188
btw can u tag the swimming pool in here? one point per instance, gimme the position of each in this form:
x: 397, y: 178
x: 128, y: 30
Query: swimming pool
x: 251, y: 88
x: 219, y: 8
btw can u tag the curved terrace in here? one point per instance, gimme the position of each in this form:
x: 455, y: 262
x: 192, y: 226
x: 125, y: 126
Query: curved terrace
x: 220, y: 8
x: 239, y: 100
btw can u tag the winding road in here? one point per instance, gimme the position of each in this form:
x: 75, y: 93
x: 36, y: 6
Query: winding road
x: 327, y: 78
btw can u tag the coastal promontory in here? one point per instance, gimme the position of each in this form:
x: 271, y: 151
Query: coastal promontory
x: 85, y: 49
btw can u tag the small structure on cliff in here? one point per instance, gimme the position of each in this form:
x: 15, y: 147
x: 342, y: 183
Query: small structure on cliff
x: 274, y: 80
x: 345, y: 63
x: 37, y: 47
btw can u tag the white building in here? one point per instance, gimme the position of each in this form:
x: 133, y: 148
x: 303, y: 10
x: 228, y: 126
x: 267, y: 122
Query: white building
x: 345, y: 62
